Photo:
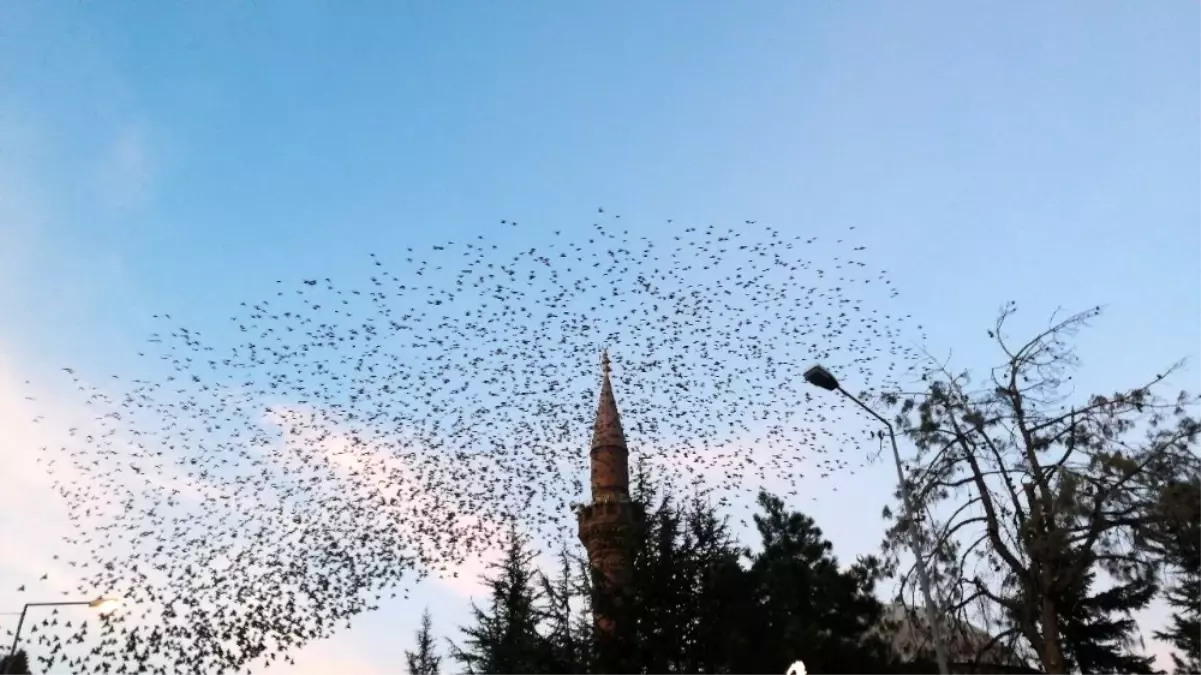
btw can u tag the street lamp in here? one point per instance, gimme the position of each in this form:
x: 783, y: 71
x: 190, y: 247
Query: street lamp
x: 820, y: 377
x: 102, y: 603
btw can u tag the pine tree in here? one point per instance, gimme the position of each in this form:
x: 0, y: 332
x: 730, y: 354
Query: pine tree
x: 659, y: 591
x: 424, y: 661
x: 1184, y: 632
x: 567, y: 647
x: 686, y: 582
x: 505, y: 637
x: 698, y: 609
x: 808, y: 609
x: 583, y: 623
x: 697, y: 605
x: 718, y: 592
x: 1178, y: 535
x: 1098, y: 630
x: 19, y: 663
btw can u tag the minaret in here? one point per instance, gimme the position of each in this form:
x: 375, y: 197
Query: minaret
x: 609, y: 523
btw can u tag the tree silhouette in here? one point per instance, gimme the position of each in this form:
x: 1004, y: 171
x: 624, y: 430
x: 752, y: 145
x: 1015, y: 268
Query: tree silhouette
x: 701, y: 603
x: 425, y: 660
x: 1098, y: 631
x: 566, y: 621
x: 687, y: 590
x: 1185, y: 631
x: 1177, y: 533
x: 17, y: 663
x: 1023, y: 492
x: 505, y: 637
x: 807, y: 608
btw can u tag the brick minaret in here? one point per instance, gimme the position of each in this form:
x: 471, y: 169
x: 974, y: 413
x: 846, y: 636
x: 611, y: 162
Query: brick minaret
x: 609, y: 523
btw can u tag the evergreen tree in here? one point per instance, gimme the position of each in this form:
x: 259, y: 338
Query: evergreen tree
x: 686, y: 584
x: 505, y: 637
x: 700, y: 603
x: 719, y: 593
x: 583, y: 621
x: 424, y: 661
x: 697, y: 608
x: 1098, y: 630
x: 1185, y: 631
x: 1178, y: 535
x: 19, y: 663
x: 658, y: 592
x: 566, y: 643
x: 808, y: 609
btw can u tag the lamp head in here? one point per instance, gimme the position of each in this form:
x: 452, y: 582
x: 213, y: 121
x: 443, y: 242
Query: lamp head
x: 105, y: 604
x: 820, y: 377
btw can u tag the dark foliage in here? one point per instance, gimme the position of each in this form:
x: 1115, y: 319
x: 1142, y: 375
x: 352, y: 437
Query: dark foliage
x: 1031, y: 490
x: 806, y: 606
x: 505, y: 637
x: 1098, y: 630
x: 425, y: 660
x: 17, y: 663
x: 1178, y: 534
x: 566, y: 623
x: 698, y: 603
x: 690, y: 595
x: 1185, y: 630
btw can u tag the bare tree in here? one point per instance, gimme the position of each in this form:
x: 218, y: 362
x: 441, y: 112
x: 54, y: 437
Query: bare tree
x: 1023, y: 492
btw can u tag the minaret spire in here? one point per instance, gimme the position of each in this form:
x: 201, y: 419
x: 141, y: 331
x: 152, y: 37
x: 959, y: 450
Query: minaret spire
x: 607, y: 431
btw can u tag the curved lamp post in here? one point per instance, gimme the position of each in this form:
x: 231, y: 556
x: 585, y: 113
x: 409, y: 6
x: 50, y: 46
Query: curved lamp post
x: 820, y: 377
x: 104, y: 604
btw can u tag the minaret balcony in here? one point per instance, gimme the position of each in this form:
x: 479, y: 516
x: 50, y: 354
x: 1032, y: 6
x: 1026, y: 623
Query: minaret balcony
x: 609, y: 513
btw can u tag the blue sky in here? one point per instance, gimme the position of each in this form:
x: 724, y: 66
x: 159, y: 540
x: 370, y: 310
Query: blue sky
x: 181, y: 157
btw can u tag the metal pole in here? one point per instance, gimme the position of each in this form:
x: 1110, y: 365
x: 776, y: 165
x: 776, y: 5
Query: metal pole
x: 12, y: 652
x: 932, y: 614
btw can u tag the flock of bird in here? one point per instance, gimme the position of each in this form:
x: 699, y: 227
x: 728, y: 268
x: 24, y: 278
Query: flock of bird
x: 336, y: 442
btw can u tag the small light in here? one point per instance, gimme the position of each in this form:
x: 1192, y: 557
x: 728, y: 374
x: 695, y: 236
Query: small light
x: 105, y: 604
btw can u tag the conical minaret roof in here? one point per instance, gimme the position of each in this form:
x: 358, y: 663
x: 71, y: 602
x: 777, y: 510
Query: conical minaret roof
x: 607, y: 432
